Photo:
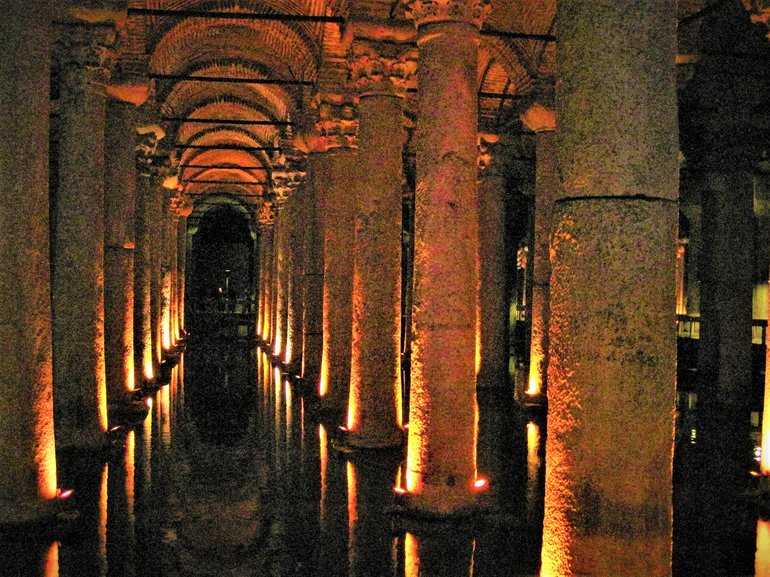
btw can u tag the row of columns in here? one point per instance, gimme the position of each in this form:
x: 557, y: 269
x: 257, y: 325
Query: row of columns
x: 81, y: 317
x: 605, y: 341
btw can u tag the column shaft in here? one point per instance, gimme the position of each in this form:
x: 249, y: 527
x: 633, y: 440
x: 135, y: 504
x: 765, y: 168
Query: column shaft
x: 374, y: 408
x: 120, y: 199
x: 143, y: 356
x: 312, y: 289
x: 612, y: 351
x: 294, y: 343
x: 80, y: 400
x: 441, y: 459
x: 28, y: 460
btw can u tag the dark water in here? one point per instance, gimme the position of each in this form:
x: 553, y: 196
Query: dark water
x: 232, y: 475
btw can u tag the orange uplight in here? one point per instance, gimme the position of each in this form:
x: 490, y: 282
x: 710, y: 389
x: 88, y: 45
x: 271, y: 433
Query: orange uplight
x: 287, y: 352
x: 323, y: 384
x: 51, y: 562
x: 480, y: 484
x: 149, y: 373
x: 62, y: 494
x: 46, y: 452
x: 131, y: 377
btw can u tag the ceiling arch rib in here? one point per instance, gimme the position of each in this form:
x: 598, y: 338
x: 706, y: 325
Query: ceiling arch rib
x: 205, y: 117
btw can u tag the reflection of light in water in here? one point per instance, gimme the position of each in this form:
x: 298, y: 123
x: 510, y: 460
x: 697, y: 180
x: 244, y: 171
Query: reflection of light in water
x: 130, y: 451
x: 352, y: 497
x: 103, y: 521
x: 147, y: 433
x: 762, y: 561
x: 165, y: 416
x: 324, y: 457
x: 411, y: 556
x: 287, y: 393
x: 533, y: 464
x: 51, y: 562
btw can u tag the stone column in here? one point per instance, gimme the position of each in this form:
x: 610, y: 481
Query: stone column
x: 335, y: 178
x: 28, y: 460
x: 280, y: 280
x: 542, y: 122
x: 182, y: 208
x: 312, y: 282
x: 157, y: 218
x: 168, y: 274
x: 287, y: 182
x: 80, y: 400
x: 612, y: 351
x: 145, y: 367
x: 493, y: 284
x: 119, y: 235
x: 266, y: 218
x: 441, y: 455
x: 380, y: 74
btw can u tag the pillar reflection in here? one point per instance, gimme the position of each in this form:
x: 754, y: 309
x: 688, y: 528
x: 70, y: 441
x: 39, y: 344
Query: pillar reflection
x: 438, y: 551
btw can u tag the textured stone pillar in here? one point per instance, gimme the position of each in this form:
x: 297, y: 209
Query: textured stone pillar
x: 287, y: 179
x: 168, y: 273
x: 441, y: 455
x: 145, y: 368
x: 542, y: 121
x: 27, y: 460
x: 335, y: 180
x: 157, y: 214
x: 612, y: 351
x: 380, y: 74
x: 119, y: 204
x: 280, y: 281
x: 182, y: 207
x: 493, y: 285
x: 80, y: 400
x: 266, y: 218
x: 313, y: 275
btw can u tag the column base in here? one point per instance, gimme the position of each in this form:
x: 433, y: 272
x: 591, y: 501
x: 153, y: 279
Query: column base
x: 129, y: 411
x: 413, y: 507
x: 95, y: 446
x: 348, y: 441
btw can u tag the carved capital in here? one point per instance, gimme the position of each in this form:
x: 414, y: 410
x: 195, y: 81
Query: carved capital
x: 337, y: 125
x: 266, y: 213
x: 429, y: 11
x: 85, y: 54
x: 381, y: 69
x: 287, y: 176
x: 539, y: 118
x: 490, y: 152
x: 181, y: 205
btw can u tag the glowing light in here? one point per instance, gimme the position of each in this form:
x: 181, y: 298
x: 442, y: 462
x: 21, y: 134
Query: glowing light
x: 762, y: 559
x: 51, y: 562
x: 399, y: 490
x: 533, y: 465
x: 323, y: 384
x: 287, y: 352
x: 352, y: 497
x: 103, y: 519
x: 324, y: 459
x: 62, y: 494
x: 534, y: 386
x: 131, y: 376
x: 149, y: 372
x: 480, y: 483
x: 130, y: 452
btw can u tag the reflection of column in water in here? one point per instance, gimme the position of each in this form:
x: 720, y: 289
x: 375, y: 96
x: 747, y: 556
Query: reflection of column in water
x: 762, y: 561
x: 102, y: 527
x: 165, y: 414
x: 279, y: 425
x: 51, y: 561
x: 331, y: 553
x: 534, y: 465
x: 120, y: 512
x: 438, y: 552
x: 370, y: 488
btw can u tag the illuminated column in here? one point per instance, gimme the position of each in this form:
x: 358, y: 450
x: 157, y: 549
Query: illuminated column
x: 146, y: 187
x: 182, y: 207
x: 336, y: 174
x: 280, y: 284
x: 157, y: 214
x: 266, y: 218
x: 380, y: 73
x: 168, y: 264
x: 493, y: 294
x: 542, y: 122
x: 80, y: 399
x: 441, y: 456
x: 27, y: 461
x: 612, y: 349
x: 287, y: 182
x: 313, y: 275
x: 119, y: 204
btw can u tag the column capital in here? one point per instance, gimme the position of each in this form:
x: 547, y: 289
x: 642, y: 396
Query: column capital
x: 381, y: 68
x: 430, y: 11
x: 266, y: 213
x: 181, y: 204
x: 88, y: 50
x: 287, y: 176
x: 337, y: 121
x: 148, y: 137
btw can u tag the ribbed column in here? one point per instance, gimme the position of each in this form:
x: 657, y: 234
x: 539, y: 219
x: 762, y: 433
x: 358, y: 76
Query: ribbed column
x: 80, y: 399
x: 28, y: 459
x: 379, y: 73
x: 441, y: 455
x: 493, y: 286
x: 335, y: 177
x: 612, y: 351
x: 119, y: 204
x: 145, y: 367
x: 542, y: 121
